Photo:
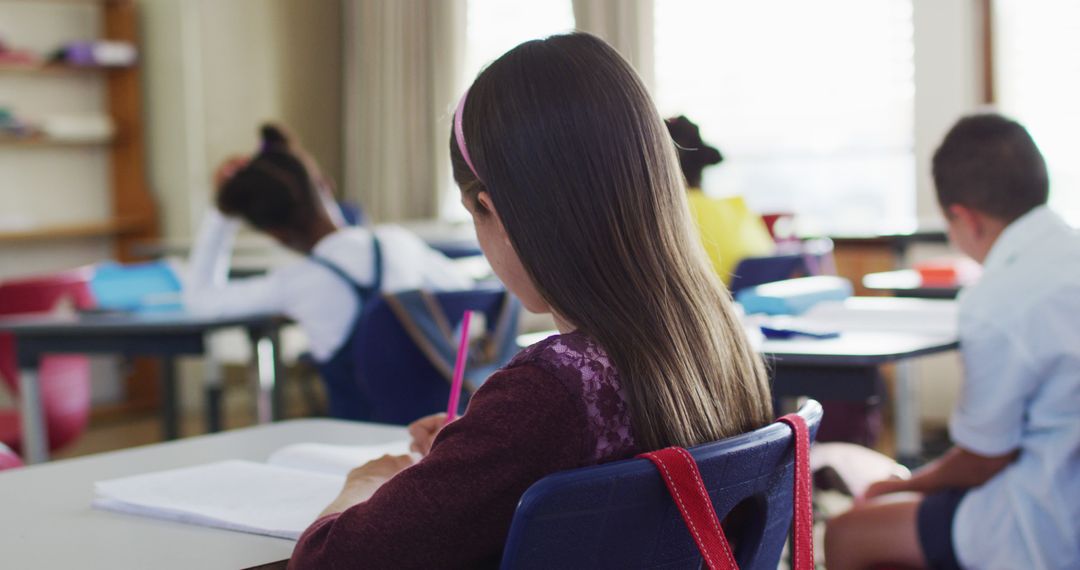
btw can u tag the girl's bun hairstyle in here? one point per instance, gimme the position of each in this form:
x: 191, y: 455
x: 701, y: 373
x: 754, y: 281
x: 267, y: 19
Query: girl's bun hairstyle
x: 694, y: 154
x: 275, y: 191
x: 274, y: 138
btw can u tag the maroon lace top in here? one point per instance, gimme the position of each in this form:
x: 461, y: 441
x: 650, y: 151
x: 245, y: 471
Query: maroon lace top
x: 557, y: 405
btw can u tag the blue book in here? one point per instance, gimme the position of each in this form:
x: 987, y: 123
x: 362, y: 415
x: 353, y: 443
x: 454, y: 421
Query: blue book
x: 793, y: 296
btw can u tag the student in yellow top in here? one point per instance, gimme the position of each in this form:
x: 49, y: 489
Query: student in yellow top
x: 729, y: 230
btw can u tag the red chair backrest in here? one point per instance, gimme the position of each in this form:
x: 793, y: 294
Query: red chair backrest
x: 39, y: 294
x: 8, y: 458
x: 64, y: 379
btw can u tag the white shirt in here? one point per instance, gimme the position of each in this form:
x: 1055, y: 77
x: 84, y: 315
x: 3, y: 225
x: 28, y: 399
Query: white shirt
x: 320, y: 301
x: 1020, y: 341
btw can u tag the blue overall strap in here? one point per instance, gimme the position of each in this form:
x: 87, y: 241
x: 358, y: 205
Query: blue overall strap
x: 346, y: 397
x: 364, y: 292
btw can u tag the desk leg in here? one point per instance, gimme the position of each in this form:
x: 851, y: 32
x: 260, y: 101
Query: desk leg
x: 35, y: 435
x: 170, y: 417
x: 214, y: 391
x: 908, y: 429
x: 268, y: 363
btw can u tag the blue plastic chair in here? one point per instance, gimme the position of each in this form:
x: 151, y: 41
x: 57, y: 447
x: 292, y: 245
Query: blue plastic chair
x: 754, y: 271
x: 400, y: 382
x: 801, y: 259
x: 620, y: 515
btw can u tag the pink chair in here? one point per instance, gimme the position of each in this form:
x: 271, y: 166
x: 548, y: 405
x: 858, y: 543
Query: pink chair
x: 8, y: 458
x: 64, y: 379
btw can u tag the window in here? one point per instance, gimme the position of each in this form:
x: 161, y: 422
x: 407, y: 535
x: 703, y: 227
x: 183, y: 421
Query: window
x: 1038, y: 83
x: 811, y: 103
x: 493, y: 27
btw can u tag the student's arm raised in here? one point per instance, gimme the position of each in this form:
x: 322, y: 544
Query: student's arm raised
x: 207, y: 288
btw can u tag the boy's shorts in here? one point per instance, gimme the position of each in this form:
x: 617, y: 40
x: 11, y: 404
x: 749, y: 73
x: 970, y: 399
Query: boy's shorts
x: 935, y: 521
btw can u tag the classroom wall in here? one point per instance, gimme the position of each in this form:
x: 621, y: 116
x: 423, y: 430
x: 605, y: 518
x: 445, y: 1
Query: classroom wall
x: 948, y: 79
x: 223, y: 68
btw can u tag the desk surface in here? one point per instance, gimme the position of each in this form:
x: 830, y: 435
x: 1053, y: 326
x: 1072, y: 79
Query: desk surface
x: 856, y: 348
x: 47, y: 521
x: 874, y: 330
x: 115, y: 323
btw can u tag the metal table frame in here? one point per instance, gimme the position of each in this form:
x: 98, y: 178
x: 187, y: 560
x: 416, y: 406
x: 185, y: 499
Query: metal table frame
x: 157, y: 335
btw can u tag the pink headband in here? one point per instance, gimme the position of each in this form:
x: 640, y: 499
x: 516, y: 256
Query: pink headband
x: 459, y: 134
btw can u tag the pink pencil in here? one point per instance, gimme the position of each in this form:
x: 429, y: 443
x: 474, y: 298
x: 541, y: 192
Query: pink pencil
x: 459, y: 368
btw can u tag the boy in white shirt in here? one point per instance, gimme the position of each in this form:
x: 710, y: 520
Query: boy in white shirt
x: 1007, y: 495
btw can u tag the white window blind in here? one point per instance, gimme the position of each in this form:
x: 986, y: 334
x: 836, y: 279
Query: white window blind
x: 496, y: 26
x: 811, y: 103
x: 1037, y: 76
x: 493, y: 27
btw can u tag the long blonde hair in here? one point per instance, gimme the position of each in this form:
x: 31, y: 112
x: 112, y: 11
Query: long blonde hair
x: 584, y: 176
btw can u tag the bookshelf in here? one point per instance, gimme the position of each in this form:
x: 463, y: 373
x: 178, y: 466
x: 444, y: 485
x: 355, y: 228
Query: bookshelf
x: 132, y: 211
x: 131, y: 215
x: 53, y: 69
x: 39, y: 141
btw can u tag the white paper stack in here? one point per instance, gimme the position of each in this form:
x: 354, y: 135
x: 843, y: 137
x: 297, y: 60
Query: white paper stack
x: 280, y: 498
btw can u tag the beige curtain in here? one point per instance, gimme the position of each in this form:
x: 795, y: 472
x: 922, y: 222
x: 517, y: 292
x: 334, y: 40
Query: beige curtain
x: 402, y: 78
x: 625, y: 24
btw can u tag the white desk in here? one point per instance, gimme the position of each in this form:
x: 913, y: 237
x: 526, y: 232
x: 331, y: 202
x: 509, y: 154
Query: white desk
x: 47, y: 521
x: 908, y: 283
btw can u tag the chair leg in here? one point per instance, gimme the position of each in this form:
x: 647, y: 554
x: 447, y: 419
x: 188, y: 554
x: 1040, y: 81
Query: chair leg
x: 213, y: 392
x: 170, y: 413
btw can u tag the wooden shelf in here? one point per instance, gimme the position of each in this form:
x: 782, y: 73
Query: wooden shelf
x: 59, y: 1
x: 67, y: 231
x: 46, y: 142
x: 58, y: 68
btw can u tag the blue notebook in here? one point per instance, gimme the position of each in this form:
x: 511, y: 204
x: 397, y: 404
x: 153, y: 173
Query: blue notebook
x: 793, y: 296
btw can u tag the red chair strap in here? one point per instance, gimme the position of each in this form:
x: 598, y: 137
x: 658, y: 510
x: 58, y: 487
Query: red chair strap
x: 683, y: 480
x: 802, y: 555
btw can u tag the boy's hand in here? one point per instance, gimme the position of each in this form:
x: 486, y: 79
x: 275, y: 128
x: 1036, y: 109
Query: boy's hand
x: 423, y: 432
x: 885, y: 487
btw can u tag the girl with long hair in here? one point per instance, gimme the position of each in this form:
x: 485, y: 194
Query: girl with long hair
x: 579, y: 205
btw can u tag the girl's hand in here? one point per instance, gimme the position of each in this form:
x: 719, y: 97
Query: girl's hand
x: 379, y: 470
x: 363, y: 481
x: 227, y: 169
x: 423, y: 432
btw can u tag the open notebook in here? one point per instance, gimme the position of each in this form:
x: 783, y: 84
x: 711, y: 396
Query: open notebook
x: 278, y: 498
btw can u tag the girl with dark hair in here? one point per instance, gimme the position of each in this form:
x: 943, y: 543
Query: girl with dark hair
x: 578, y: 204
x: 279, y: 191
x: 729, y: 230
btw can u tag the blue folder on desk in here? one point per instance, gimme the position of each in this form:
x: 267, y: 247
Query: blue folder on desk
x: 793, y: 296
x: 140, y: 287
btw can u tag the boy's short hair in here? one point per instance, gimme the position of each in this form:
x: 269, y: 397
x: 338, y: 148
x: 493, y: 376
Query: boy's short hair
x: 990, y: 164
